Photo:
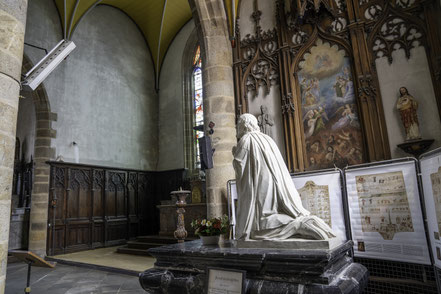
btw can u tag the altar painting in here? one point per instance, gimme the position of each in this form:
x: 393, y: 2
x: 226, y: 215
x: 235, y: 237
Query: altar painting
x: 315, y: 198
x: 383, y: 203
x: 435, y: 179
x: 329, y: 111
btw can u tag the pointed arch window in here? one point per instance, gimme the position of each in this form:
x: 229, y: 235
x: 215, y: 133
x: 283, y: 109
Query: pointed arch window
x: 198, y: 106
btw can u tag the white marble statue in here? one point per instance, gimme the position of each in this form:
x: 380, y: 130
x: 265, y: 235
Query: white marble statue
x: 269, y: 206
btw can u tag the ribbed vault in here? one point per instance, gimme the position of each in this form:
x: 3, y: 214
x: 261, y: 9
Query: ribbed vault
x: 159, y: 20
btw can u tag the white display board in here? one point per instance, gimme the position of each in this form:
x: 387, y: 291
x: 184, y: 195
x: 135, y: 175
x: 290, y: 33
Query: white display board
x: 431, y: 180
x: 321, y: 194
x: 385, y: 213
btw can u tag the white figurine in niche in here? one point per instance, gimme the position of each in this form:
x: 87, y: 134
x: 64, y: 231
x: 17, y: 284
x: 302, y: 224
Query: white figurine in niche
x: 269, y: 206
x: 408, y: 106
x: 265, y: 120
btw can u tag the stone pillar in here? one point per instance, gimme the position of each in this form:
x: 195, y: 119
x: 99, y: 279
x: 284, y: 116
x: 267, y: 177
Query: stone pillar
x: 217, y: 77
x: 12, y: 29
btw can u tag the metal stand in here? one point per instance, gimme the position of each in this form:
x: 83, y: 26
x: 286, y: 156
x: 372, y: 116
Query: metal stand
x: 30, y: 259
x: 28, y: 282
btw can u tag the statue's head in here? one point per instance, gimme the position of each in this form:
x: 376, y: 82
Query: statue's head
x: 263, y: 109
x: 403, y: 91
x: 247, y: 123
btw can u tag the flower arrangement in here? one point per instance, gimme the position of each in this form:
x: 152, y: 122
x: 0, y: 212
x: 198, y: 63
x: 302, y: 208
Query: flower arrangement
x: 212, y: 227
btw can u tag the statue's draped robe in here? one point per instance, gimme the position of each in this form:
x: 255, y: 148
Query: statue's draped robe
x: 269, y: 206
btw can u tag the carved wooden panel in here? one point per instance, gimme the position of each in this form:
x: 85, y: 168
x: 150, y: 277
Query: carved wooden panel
x: 91, y: 206
x: 366, y: 29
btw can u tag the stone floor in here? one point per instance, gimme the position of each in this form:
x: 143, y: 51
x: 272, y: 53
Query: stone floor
x: 64, y: 279
x: 107, y: 257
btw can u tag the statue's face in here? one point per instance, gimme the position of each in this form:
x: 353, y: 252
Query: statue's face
x: 403, y: 91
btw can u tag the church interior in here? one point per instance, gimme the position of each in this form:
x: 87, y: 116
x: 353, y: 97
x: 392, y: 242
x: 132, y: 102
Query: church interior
x: 98, y: 145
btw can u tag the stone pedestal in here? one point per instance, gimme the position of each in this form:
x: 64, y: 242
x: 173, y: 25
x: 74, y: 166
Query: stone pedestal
x: 181, y: 268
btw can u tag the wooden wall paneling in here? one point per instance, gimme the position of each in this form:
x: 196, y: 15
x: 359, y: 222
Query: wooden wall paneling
x: 290, y: 108
x: 57, y: 212
x: 116, y: 208
x: 133, y: 205
x: 79, y: 210
x: 97, y: 232
x: 432, y: 12
x: 239, y: 98
x: 93, y: 206
x: 163, y: 183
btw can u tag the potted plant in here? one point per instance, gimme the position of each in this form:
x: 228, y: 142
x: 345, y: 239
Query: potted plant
x: 209, y: 230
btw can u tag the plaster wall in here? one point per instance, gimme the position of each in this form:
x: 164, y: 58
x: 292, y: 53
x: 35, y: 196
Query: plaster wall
x: 414, y: 74
x: 26, y: 123
x: 267, y: 19
x: 171, y: 116
x: 103, y: 92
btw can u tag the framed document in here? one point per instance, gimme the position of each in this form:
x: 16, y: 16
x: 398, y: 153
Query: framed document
x: 385, y: 211
x: 430, y: 164
x: 225, y: 281
x: 232, y: 205
x: 321, y: 194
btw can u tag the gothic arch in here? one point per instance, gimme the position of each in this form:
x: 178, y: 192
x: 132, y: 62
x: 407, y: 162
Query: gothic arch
x: 42, y: 153
x: 187, y: 100
x: 218, y: 86
x: 342, y: 44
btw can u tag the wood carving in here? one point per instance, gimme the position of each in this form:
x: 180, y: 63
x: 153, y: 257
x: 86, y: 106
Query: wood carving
x: 364, y: 29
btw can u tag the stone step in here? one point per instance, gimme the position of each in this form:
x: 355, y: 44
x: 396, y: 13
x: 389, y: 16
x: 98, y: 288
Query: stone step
x: 142, y: 245
x: 160, y: 239
x: 132, y: 251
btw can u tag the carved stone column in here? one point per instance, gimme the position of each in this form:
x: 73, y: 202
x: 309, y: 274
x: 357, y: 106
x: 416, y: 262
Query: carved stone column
x: 217, y: 78
x: 12, y: 29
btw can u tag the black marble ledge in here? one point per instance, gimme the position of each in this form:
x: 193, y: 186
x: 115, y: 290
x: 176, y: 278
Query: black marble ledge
x: 301, y: 266
x: 353, y: 279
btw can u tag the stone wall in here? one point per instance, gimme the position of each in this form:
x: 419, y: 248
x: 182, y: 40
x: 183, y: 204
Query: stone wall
x: 171, y: 109
x: 12, y: 29
x: 103, y: 92
x: 102, y: 97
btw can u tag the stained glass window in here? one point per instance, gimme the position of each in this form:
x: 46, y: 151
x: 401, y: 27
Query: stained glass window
x: 198, y: 106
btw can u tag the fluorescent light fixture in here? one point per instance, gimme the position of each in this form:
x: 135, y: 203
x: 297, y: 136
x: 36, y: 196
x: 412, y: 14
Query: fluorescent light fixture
x: 42, y: 69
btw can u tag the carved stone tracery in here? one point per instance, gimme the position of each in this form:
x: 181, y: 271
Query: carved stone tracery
x: 393, y: 33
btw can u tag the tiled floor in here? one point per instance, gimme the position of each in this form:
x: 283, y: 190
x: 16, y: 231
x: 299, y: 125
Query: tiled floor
x: 64, y: 279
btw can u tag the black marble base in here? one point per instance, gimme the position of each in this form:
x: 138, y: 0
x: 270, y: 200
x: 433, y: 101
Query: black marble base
x: 416, y: 147
x: 180, y: 268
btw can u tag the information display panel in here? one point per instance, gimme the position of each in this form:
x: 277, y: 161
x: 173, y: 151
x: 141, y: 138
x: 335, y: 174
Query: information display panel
x: 431, y: 179
x: 385, y: 212
x: 321, y: 194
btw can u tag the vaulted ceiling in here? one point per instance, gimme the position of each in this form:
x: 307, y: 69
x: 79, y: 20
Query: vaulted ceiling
x: 159, y: 20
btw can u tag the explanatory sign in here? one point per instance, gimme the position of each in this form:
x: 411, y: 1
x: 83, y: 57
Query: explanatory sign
x: 224, y: 281
x: 385, y: 212
x: 431, y: 178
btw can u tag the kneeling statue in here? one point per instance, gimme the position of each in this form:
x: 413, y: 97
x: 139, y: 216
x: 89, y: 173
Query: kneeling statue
x: 269, y: 206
